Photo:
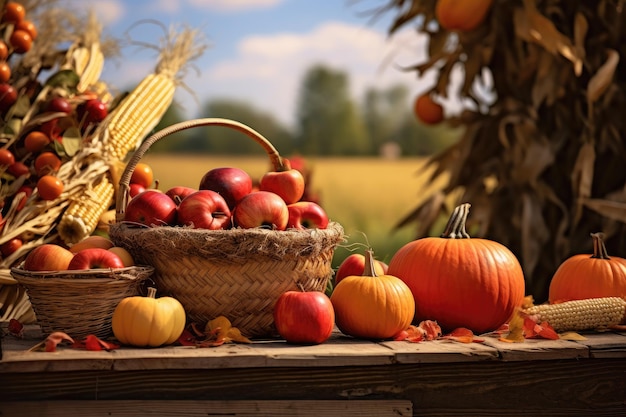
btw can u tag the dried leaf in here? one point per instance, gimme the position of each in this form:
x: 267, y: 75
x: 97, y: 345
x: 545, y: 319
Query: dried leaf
x: 581, y: 26
x: 609, y: 209
x: 462, y: 335
x: 582, y: 177
x: 572, y: 336
x: 16, y: 329
x: 534, y: 231
x: 51, y: 342
x: 94, y: 343
x: 532, y: 26
x: 426, y: 330
x: 516, y: 329
x: 603, y: 78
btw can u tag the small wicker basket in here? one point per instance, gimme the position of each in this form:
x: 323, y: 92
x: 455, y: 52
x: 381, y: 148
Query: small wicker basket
x: 80, y: 302
x: 237, y: 273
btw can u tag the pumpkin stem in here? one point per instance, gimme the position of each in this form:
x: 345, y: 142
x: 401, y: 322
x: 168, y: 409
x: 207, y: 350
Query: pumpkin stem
x: 369, y: 270
x: 599, y: 248
x: 151, y: 292
x: 455, y: 229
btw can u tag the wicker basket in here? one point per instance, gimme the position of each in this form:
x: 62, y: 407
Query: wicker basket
x: 80, y: 302
x: 237, y: 273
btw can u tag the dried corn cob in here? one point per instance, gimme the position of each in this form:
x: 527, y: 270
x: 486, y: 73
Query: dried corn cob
x: 577, y: 315
x: 90, y: 67
x: 139, y: 113
x: 83, y: 214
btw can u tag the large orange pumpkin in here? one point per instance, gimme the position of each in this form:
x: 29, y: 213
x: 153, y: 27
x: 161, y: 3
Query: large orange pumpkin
x: 461, y: 15
x: 589, y: 276
x: 460, y: 281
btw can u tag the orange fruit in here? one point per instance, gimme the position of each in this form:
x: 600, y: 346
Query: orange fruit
x: 427, y: 110
x: 49, y: 187
x: 461, y: 15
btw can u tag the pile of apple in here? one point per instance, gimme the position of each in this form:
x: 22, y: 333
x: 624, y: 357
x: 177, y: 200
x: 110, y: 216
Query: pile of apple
x: 93, y: 252
x: 226, y: 198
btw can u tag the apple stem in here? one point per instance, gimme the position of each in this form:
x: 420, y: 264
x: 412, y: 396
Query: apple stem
x: 300, y: 286
x: 151, y: 292
x: 369, y: 270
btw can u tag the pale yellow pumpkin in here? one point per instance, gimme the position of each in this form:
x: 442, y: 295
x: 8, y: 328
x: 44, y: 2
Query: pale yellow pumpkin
x: 148, y: 321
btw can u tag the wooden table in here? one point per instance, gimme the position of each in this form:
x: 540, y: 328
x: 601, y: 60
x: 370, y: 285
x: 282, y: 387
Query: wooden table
x: 342, y: 377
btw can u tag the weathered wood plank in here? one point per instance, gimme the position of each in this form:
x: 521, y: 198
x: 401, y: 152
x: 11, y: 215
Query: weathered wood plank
x: 303, y: 408
x: 538, y: 387
x: 538, y: 349
x: 605, y: 345
x: 441, y: 351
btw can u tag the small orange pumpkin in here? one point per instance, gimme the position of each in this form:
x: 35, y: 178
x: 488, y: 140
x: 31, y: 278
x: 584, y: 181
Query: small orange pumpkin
x: 583, y: 276
x: 460, y: 281
x: 371, y: 306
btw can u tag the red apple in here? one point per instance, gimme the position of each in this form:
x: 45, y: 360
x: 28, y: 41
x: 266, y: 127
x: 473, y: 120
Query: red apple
x: 179, y: 192
x: 355, y: 265
x: 261, y: 209
x: 288, y: 184
x: 304, y: 317
x: 95, y: 258
x: 48, y: 257
x: 307, y: 215
x: 135, y: 188
x: 10, y: 246
x: 152, y: 208
x: 231, y: 183
x: 204, y: 209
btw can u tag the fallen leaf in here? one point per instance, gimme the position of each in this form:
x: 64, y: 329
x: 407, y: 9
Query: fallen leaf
x: 94, y: 343
x: 51, y: 342
x: 216, y: 332
x: 431, y: 329
x: 462, y: 335
x: 516, y: 330
x: 572, y: 336
x: 16, y: 328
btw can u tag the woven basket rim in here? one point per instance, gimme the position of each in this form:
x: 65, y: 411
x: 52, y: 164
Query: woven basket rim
x: 231, y: 245
x: 128, y: 273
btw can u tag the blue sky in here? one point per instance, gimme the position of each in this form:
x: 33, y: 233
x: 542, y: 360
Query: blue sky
x: 260, y: 49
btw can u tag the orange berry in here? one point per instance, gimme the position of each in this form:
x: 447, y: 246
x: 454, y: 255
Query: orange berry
x: 49, y: 187
x: 36, y: 141
x: 13, y: 12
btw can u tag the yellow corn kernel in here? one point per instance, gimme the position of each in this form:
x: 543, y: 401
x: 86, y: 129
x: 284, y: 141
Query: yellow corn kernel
x: 577, y: 315
x: 83, y: 214
x: 138, y: 114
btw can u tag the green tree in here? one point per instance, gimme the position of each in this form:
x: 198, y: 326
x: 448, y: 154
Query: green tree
x: 328, y: 121
x: 389, y: 119
x: 220, y: 140
x: 175, y: 142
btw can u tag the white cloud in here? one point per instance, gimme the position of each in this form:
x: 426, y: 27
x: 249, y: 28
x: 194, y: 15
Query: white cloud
x: 233, y: 5
x: 108, y: 11
x: 267, y: 70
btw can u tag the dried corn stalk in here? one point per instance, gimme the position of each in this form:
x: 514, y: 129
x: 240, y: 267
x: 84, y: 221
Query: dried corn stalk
x: 541, y: 159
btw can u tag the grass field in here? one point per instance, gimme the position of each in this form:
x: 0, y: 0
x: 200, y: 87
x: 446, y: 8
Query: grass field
x: 367, y: 196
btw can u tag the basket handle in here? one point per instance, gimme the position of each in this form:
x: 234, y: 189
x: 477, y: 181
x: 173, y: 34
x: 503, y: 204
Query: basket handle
x: 278, y: 163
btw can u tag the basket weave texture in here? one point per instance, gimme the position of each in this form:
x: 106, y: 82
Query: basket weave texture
x: 80, y: 302
x: 236, y: 273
